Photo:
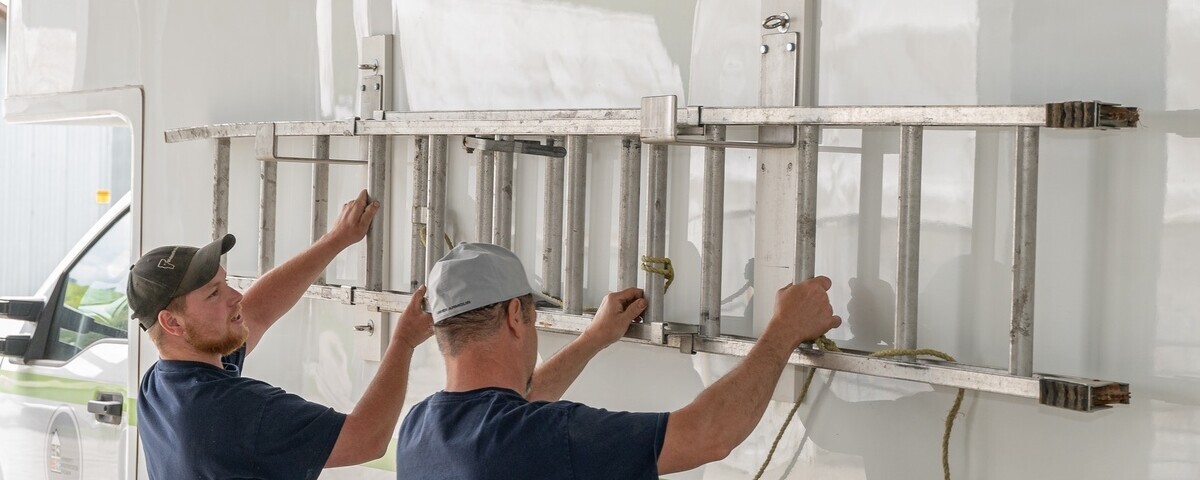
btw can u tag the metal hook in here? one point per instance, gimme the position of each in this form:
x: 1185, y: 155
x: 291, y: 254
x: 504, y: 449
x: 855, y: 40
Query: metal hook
x: 779, y: 22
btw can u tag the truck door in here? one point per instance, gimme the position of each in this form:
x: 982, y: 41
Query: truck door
x: 63, y: 383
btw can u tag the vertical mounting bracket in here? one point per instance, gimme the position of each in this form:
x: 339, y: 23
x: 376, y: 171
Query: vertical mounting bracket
x: 374, y: 67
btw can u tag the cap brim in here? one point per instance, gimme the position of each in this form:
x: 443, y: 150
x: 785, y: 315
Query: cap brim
x: 204, y: 265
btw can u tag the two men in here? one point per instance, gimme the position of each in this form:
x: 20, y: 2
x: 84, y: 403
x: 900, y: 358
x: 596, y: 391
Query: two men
x: 500, y: 415
x: 200, y: 419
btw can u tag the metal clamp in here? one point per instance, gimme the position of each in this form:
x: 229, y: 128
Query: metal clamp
x: 687, y: 333
x: 266, y: 147
x: 660, y: 125
x: 525, y: 147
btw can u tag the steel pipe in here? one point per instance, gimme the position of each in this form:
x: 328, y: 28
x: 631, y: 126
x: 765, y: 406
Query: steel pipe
x: 552, y: 228
x: 1024, y: 252
x: 220, y: 213
x: 712, y: 233
x: 267, y: 193
x: 806, y: 206
x: 377, y: 181
x: 908, y: 227
x: 502, y: 224
x: 628, y: 213
x: 420, y: 199
x: 320, y: 193
x: 656, y: 230
x: 484, y: 195
x: 575, y: 231
x: 435, y: 232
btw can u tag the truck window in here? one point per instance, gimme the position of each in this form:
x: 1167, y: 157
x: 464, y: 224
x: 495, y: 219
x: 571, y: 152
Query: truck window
x: 93, y: 305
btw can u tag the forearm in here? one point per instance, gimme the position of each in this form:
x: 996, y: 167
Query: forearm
x: 735, y: 404
x: 552, y: 378
x: 368, y: 429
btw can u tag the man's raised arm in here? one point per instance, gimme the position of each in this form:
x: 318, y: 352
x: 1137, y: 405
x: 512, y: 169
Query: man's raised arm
x: 725, y: 413
x: 279, y: 289
x: 612, y: 319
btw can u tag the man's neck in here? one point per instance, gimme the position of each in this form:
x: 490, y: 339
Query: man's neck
x: 185, y: 353
x: 481, y: 369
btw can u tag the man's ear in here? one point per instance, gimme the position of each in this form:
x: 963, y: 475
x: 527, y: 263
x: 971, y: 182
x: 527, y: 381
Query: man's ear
x: 169, y: 322
x: 514, y: 317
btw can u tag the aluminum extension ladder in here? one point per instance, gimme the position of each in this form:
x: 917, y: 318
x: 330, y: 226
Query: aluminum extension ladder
x: 496, y: 136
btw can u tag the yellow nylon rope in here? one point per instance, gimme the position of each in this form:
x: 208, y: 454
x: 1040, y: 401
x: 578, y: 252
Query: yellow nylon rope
x: 829, y: 346
x: 666, y: 270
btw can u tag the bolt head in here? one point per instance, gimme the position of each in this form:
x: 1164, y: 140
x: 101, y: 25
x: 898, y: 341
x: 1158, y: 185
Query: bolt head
x: 364, y: 88
x: 763, y: 49
x: 377, y: 86
x: 791, y: 47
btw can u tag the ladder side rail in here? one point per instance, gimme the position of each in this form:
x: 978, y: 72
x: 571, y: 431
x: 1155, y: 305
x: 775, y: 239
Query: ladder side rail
x: 1088, y: 394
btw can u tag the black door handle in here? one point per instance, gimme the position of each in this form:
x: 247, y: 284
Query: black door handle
x: 107, y: 407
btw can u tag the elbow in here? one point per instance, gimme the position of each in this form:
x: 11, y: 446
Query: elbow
x: 719, y: 451
x: 378, y: 448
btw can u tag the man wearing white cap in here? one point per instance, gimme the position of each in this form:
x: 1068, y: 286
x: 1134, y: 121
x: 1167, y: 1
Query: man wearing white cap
x: 200, y: 419
x: 500, y: 417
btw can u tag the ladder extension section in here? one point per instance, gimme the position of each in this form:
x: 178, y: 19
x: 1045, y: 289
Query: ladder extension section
x: 660, y: 123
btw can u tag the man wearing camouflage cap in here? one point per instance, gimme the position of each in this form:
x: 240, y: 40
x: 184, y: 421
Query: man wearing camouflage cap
x: 199, y: 418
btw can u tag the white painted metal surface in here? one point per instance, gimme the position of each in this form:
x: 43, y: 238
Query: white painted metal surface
x: 1119, y: 219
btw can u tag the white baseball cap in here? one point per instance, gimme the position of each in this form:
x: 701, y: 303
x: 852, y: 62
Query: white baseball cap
x: 475, y: 275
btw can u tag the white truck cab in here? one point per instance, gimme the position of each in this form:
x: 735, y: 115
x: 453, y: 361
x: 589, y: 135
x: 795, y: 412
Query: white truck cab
x: 64, y: 386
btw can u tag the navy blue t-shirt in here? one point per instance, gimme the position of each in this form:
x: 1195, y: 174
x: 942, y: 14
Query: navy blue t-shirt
x: 494, y: 433
x: 199, y: 421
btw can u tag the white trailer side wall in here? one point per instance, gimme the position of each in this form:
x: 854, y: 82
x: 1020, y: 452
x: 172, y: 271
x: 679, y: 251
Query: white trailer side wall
x: 1119, y: 215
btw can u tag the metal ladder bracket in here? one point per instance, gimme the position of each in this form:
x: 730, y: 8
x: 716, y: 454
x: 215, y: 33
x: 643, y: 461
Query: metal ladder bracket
x: 266, y: 148
x: 687, y: 333
x: 375, y: 69
x: 524, y: 147
x: 660, y: 126
x: 1090, y: 114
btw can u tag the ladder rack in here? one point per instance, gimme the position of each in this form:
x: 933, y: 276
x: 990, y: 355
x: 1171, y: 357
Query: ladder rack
x: 660, y: 124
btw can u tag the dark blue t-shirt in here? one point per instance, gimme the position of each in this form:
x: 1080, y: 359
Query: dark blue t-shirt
x: 494, y: 433
x: 197, y: 421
